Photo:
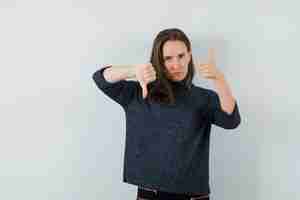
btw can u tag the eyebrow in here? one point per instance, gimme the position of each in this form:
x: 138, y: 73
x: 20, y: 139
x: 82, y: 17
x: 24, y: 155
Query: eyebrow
x: 166, y: 57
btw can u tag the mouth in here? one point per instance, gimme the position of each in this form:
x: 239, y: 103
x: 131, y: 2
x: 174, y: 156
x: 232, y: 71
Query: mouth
x: 176, y: 73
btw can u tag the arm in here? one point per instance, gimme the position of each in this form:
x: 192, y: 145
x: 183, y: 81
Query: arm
x: 117, y: 73
x: 221, y: 118
x: 222, y: 88
x: 143, y: 73
x: 223, y: 107
x: 111, y: 81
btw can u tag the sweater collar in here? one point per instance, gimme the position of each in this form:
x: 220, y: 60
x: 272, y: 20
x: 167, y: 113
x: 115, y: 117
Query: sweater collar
x: 179, y: 88
x: 178, y: 84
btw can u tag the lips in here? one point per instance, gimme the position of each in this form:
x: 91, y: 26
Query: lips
x: 177, y: 73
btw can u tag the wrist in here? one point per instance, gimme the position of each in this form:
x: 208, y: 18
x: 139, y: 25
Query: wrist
x: 130, y: 72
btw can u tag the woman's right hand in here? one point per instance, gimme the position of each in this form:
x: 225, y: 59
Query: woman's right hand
x: 145, y: 74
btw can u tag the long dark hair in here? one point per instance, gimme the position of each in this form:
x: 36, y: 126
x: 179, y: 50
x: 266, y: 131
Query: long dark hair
x: 161, y: 89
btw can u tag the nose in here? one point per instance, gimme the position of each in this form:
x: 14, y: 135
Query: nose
x: 175, y: 65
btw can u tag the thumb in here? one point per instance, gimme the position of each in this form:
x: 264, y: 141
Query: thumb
x: 211, y: 56
x: 145, y: 90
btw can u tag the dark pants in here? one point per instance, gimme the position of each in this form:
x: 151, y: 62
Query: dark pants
x: 149, y: 194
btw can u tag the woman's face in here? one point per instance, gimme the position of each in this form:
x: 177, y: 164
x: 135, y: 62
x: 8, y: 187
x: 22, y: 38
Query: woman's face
x: 176, y: 59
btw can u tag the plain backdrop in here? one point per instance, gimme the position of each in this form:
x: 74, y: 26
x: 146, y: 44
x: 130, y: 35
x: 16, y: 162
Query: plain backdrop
x: 61, y: 138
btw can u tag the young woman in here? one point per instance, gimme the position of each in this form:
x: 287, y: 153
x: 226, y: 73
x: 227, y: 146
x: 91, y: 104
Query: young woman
x: 168, y: 118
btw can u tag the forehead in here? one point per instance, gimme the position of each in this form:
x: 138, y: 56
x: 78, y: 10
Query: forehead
x: 176, y: 47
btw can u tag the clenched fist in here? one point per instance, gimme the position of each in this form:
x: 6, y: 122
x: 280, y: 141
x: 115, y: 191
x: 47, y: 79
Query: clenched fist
x: 145, y: 74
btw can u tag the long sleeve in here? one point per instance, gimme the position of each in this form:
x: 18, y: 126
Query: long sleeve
x: 221, y: 118
x: 121, y: 92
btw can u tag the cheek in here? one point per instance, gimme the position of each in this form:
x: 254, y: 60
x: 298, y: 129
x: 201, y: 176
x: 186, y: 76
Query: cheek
x: 186, y: 61
x: 186, y: 66
x: 168, y: 67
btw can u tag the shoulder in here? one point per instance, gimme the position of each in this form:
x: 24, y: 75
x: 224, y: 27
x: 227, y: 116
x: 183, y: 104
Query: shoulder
x: 203, y: 91
x: 206, y: 95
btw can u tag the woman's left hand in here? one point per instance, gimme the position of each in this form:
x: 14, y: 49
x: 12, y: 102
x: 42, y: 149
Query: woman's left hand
x: 209, y: 70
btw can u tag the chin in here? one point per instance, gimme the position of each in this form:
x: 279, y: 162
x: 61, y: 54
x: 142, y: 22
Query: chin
x: 179, y: 78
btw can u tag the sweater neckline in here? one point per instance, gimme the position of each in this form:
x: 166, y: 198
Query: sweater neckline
x: 180, y: 88
x: 178, y: 85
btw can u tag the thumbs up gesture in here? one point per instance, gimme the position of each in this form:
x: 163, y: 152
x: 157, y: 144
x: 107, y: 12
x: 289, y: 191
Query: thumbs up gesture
x: 208, y: 69
x: 145, y: 74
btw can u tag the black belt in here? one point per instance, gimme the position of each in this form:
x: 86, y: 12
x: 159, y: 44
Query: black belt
x: 145, y: 193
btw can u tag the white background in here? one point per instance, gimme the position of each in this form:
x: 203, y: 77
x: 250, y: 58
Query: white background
x: 62, y: 139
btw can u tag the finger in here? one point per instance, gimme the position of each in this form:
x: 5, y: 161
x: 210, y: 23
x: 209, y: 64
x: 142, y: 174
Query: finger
x: 150, y: 70
x: 211, y: 56
x: 145, y: 90
x: 204, y: 66
x: 204, y: 71
x: 149, y: 76
x: 150, y: 79
x: 208, y: 75
x: 207, y: 67
x: 149, y: 66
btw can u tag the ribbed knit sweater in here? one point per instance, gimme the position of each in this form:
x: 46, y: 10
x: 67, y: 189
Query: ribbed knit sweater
x: 167, y: 146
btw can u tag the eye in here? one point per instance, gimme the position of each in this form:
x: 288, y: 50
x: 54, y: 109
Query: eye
x: 167, y: 59
x: 181, y: 55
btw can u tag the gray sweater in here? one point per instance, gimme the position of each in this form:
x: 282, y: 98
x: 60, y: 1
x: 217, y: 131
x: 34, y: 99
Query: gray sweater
x: 167, y: 146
